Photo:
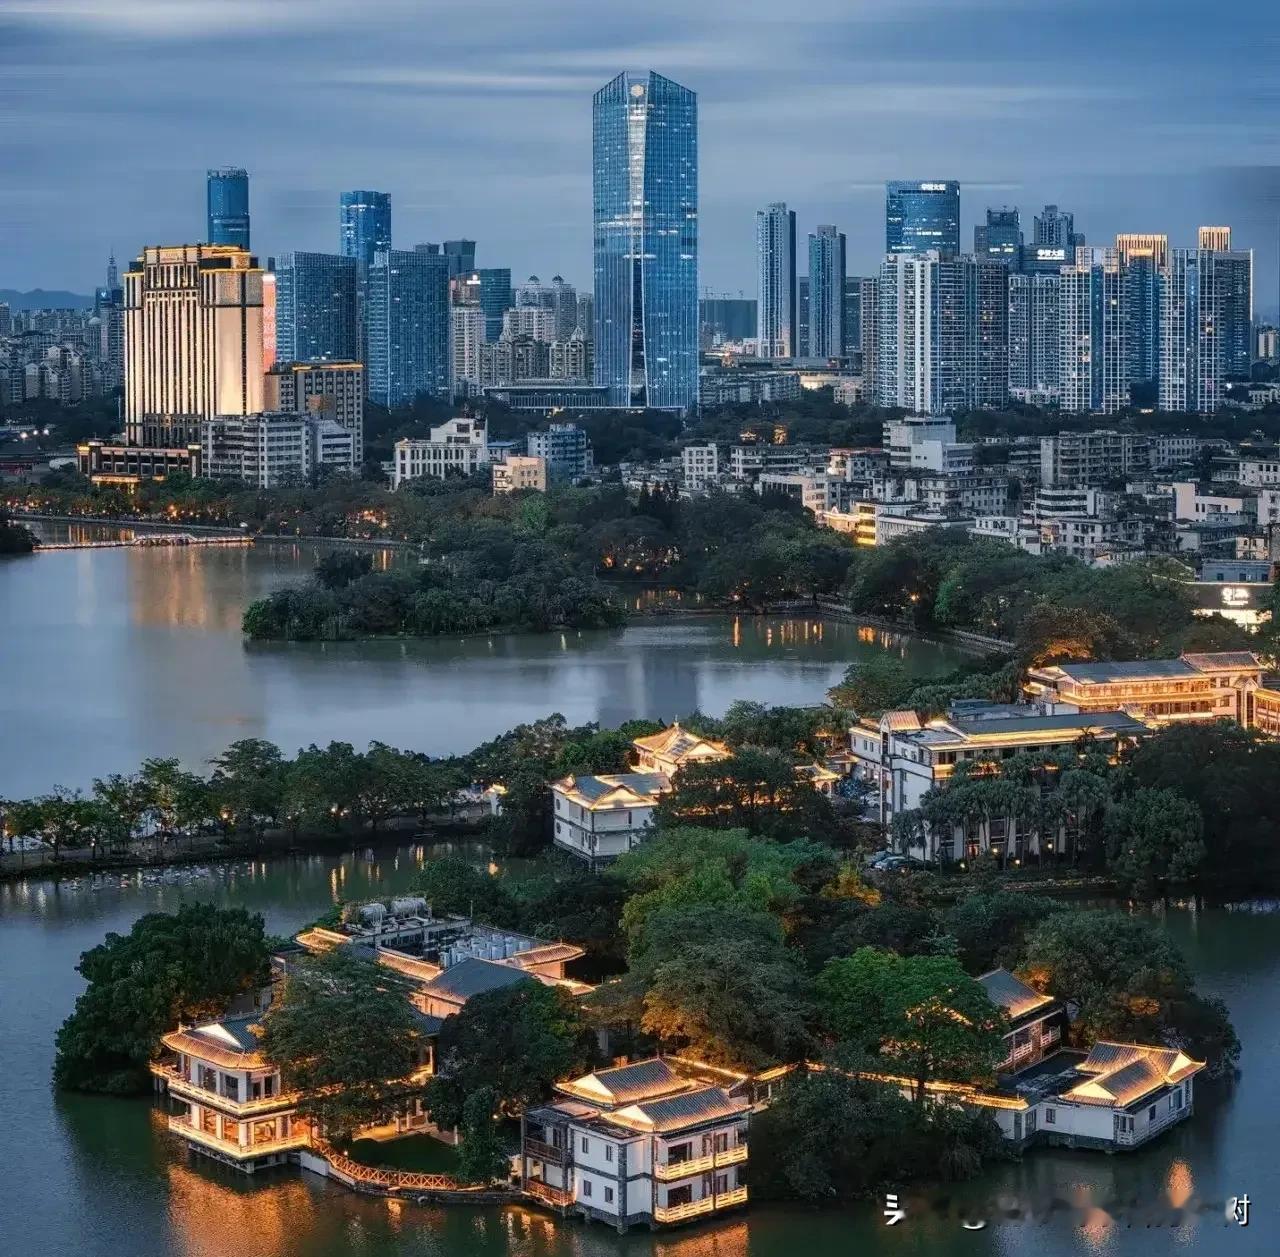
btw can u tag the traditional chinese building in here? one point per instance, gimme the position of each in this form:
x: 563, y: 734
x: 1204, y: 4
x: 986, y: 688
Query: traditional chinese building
x: 652, y: 1143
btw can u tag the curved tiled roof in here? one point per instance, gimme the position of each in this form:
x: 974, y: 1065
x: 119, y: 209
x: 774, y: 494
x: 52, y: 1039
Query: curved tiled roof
x: 678, y: 1111
x: 626, y: 1083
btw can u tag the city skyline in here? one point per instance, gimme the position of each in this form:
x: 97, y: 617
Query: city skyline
x: 973, y: 107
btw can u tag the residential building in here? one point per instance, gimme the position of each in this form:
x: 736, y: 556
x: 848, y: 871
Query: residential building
x: 192, y: 341
x: 317, y: 308
x: 701, y: 466
x: 943, y: 333
x: 718, y: 387
x: 1035, y: 338
x: 490, y: 289
x: 537, y: 396
x: 1094, y: 361
x: 564, y: 301
x: 1144, y: 258
x: 274, y: 449
x: 1216, y: 238
x: 814, y: 490
x: 564, y: 447
x: 747, y: 462
x: 536, y: 321
x: 466, y: 335
x: 572, y: 358
x: 645, y: 150
x: 1193, y: 687
x: 228, y: 205
x: 926, y: 443
x: 513, y: 358
x: 1206, y: 298
x: 407, y: 326
x: 1267, y: 345
x: 364, y: 225
x: 922, y: 217
x: 323, y: 390
x: 776, y: 282
x: 999, y: 239
x: 826, y: 293
x: 654, y: 1142
x: 802, y: 316
x: 904, y: 757
x: 459, y: 447
x: 519, y: 471
x: 1037, y: 1022
x: 1084, y: 458
x: 1056, y: 229
x: 869, y: 331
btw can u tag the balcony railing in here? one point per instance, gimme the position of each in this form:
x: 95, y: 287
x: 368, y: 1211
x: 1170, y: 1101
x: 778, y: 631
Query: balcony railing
x: 543, y: 1151
x: 1167, y: 1118
x: 697, y: 1208
x: 699, y: 1165
x: 188, y: 1090
x: 557, y: 1197
x: 228, y: 1147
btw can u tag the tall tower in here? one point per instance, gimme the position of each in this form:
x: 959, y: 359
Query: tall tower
x: 826, y: 293
x: 1093, y: 345
x: 407, y: 325
x: 922, y: 216
x: 192, y: 340
x: 776, y: 286
x: 645, y: 200
x: 316, y: 308
x: 228, y: 204
x: 364, y: 225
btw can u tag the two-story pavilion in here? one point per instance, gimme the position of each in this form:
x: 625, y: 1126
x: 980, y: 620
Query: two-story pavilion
x: 652, y: 1143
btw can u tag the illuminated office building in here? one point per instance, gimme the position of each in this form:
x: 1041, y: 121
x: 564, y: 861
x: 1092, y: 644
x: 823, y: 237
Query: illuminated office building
x: 364, y: 225
x: 227, y: 193
x: 645, y: 204
x: 919, y: 217
x: 407, y: 326
x: 316, y: 308
x: 999, y: 239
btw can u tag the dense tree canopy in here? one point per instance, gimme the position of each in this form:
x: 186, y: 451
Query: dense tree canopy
x: 184, y: 966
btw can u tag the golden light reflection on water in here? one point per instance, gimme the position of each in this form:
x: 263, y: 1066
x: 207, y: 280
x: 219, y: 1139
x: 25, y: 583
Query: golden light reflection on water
x: 1180, y: 1184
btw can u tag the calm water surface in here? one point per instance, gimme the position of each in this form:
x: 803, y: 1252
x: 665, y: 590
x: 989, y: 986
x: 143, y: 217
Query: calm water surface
x: 110, y: 656
x: 102, y: 1178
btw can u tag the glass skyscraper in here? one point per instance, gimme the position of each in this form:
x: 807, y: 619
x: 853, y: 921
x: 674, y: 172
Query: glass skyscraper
x: 645, y: 194
x: 999, y: 239
x: 364, y: 225
x: 228, y: 203
x: 826, y: 293
x: 922, y: 216
x: 316, y: 310
x: 776, y: 285
x: 461, y: 255
x: 407, y: 326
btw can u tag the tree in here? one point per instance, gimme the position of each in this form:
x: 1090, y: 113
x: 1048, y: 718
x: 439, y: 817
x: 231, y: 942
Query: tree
x: 347, y: 1039
x: 880, y: 684
x: 745, y: 1006
x: 1154, y: 838
x: 481, y: 1158
x: 170, y: 968
x: 1123, y: 978
x: 340, y: 567
x: 454, y: 887
x: 515, y: 1041
x: 15, y: 538
x: 924, y: 1013
x: 990, y: 925
x: 173, y: 799
x: 753, y: 790
x: 248, y: 784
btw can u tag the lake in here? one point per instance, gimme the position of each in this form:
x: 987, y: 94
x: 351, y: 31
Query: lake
x: 110, y: 656
x: 93, y: 1177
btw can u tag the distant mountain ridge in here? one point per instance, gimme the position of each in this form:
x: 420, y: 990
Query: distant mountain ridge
x: 44, y: 299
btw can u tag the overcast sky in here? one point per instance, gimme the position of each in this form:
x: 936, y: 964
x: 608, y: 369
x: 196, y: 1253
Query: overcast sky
x: 1138, y: 115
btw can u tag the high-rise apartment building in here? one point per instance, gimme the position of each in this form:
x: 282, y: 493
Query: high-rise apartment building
x: 1034, y: 338
x: 826, y: 293
x: 645, y: 202
x: 1054, y: 228
x: 1093, y: 347
x: 943, y: 333
x: 1202, y: 301
x: 466, y: 335
x: 490, y: 289
x: 227, y: 193
x: 802, y: 316
x: 919, y: 217
x: 869, y: 330
x: 407, y: 326
x: 564, y: 301
x: 192, y: 340
x: 316, y: 308
x: 776, y: 282
x: 109, y: 310
x: 1143, y: 257
x: 1218, y: 238
x: 999, y: 239
x: 364, y: 225
x: 533, y: 294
